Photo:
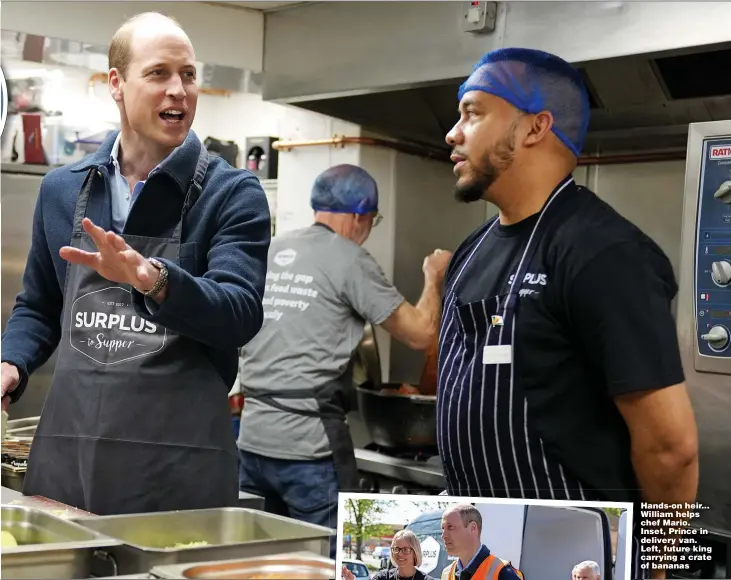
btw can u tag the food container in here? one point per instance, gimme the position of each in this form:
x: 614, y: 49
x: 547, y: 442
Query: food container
x: 283, y: 566
x: 158, y: 539
x: 48, y: 547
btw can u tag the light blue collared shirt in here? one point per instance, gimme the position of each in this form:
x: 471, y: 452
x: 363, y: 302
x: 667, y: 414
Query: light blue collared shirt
x: 459, y: 562
x: 123, y: 198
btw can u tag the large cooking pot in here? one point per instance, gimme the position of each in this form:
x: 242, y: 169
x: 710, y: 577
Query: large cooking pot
x: 396, y: 421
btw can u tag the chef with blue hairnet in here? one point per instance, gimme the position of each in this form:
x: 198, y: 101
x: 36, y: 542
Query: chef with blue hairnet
x: 559, y: 368
x: 322, y: 286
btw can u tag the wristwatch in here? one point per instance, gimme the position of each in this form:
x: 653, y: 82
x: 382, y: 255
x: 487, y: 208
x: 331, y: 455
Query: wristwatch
x: 162, y: 279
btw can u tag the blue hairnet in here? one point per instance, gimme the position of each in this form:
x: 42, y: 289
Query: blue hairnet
x: 345, y: 189
x: 534, y: 81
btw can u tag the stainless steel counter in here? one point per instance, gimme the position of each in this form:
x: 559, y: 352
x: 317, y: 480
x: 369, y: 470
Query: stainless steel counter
x: 7, y: 495
x: 246, y: 500
x: 424, y: 473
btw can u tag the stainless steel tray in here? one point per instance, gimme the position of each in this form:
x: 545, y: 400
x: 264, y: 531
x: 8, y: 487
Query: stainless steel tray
x: 149, y: 540
x: 285, y: 566
x: 12, y: 477
x: 23, y: 422
x: 22, y: 429
x: 48, y: 547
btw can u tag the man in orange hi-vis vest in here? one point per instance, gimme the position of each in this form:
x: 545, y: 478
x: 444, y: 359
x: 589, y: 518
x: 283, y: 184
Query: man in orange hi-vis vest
x: 461, y: 532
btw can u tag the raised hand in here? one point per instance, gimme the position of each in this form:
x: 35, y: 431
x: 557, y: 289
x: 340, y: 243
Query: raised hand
x: 115, y: 260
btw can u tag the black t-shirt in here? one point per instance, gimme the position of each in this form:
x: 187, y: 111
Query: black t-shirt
x: 593, y: 321
x: 393, y: 574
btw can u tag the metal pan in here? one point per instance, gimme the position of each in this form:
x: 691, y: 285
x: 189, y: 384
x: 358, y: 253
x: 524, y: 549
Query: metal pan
x: 48, y: 547
x: 367, y: 357
x: 284, y: 566
x: 395, y: 421
x: 163, y: 538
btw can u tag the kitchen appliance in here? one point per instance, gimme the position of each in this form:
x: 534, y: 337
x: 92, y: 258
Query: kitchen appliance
x: 14, y: 463
x: 33, y: 139
x: 704, y: 326
x: 394, y: 435
x: 227, y: 150
x: 168, y: 538
x: 48, y: 547
x: 384, y: 470
x: 396, y: 421
x: 261, y: 158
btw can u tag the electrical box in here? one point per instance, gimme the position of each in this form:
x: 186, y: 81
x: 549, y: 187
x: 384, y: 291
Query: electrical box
x: 478, y: 16
x: 261, y: 157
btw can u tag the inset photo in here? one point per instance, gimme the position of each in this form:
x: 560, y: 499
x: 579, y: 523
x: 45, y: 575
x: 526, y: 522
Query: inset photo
x: 423, y: 537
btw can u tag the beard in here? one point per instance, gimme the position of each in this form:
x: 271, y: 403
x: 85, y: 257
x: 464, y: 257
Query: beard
x: 491, y: 166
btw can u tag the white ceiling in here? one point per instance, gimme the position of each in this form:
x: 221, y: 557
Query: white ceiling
x: 263, y: 6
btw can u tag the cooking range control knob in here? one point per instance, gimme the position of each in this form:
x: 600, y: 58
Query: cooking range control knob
x: 721, y: 272
x: 718, y: 338
x: 723, y: 193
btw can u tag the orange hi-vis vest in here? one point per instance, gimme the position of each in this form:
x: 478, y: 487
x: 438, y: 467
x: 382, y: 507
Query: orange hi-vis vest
x: 488, y: 570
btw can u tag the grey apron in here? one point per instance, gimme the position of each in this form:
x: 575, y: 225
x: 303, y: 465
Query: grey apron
x: 333, y: 404
x: 137, y: 418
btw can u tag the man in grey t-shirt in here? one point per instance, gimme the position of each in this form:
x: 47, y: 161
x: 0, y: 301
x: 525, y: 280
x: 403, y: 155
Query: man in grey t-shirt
x: 322, y: 287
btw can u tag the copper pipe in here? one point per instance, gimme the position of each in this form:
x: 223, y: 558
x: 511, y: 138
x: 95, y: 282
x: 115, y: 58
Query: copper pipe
x: 341, y: 141
x: 215, y: 92
x: 97, y: 78
x: 443, y: 155
x: 633, y: 158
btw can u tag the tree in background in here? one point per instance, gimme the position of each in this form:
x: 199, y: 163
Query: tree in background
x: 362, y: 521
x: 429, y: 506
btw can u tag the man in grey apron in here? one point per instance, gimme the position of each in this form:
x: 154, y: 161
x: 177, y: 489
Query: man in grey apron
x: 322, y: 287
x: 137, y: 417
x: 557, y: 346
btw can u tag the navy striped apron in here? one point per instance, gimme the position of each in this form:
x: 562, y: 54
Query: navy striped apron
x: 486, y: 443
x: 485, y: 440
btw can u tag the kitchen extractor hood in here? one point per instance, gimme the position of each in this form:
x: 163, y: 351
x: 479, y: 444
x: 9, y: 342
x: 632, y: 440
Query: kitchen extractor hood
x: 394, y: 68
x: 638, y: 103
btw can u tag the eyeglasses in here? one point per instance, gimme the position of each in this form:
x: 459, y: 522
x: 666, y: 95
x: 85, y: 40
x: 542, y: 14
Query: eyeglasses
x: 406, y: 551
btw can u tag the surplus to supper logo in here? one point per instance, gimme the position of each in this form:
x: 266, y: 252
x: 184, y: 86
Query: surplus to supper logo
x: 3, y: 101
x: 106, y: 328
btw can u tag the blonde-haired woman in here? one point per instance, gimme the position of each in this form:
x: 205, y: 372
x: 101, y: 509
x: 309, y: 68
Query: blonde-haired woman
x: 405, y: 555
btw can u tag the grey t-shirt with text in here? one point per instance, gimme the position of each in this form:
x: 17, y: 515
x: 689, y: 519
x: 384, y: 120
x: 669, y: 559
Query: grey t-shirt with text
x: 320, y: 290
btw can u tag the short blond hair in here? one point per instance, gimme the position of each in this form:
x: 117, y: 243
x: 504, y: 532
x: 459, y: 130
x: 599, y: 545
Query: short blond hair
x: 413, y: 542
x: 120, y: 49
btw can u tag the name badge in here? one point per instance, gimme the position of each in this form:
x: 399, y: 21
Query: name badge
x: 497, y: 355
x: 496, y: 320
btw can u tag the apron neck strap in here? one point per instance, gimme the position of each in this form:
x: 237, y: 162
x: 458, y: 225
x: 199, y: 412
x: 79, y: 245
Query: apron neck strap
x: 83, y: 199
x: 194, y: 189
x: 539, y: 229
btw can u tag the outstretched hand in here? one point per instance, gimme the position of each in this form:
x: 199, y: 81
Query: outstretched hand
x: 115, y: 260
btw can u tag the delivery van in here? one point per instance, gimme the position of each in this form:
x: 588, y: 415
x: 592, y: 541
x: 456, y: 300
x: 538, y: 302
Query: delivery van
x: 543, y: 542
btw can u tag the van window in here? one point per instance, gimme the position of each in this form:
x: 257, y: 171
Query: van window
x: 426, y: 527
